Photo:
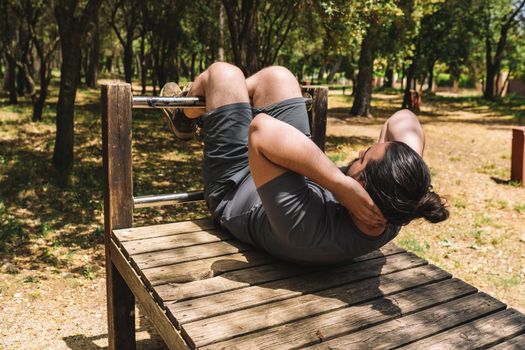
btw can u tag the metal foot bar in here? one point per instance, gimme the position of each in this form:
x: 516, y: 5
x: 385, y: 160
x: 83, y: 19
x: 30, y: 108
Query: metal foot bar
x: 182, y: 102
x: 167, y: 199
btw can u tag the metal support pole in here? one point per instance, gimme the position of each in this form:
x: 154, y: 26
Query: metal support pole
x: 167, y: 199
x: 181, y: 102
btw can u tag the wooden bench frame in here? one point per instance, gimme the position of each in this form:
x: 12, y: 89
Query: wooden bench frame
x: 123, y: 283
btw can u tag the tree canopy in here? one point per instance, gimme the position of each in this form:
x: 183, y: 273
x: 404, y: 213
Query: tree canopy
x: 321, y: 41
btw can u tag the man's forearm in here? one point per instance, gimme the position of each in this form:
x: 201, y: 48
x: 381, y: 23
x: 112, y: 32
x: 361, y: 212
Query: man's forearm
x: 288, y: 148
x: 405, y: 127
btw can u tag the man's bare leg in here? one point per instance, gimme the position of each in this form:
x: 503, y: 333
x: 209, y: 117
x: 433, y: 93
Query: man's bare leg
x: 267, y: 87
x: 221, y: 84
x: 272, y: 85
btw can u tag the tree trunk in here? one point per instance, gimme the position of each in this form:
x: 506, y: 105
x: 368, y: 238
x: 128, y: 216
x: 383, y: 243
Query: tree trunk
x: 320, y: 74
x: 11, y: 80
x: 128, y: 61
x: 45, y: 77
x: 490, y: 70
x: 363, y: 90
x: 431, y: 77
x: 221, y: 34
x: 20, y: 81
x: 69, y: 73
x: 489, y: 82
x: 38, y: 105
x: 72, y: 30
x: 142, y: 64
x: 93, y: 59
x: 389, y: 78
x: 334, y: 69
x: 243, y: 27
x: 408, y: 85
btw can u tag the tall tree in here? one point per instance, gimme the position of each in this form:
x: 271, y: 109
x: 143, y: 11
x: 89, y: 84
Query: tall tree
x: 125, y: 19
x: 73, y: 19
x: 498, y: 19
x: 93, y: 52
x: 258, y: 30
x: 9, y: 23
x: 363, y: 90
x: 42, y: 31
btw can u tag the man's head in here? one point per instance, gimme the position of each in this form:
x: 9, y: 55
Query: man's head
x: 398, y: 180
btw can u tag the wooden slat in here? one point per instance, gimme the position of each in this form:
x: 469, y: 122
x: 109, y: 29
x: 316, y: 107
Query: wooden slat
x: 226, y: 326
x: 327, y: 326
x: 483, y: 332
x: 171, y: 276
x: 231, y: 281
x: 516, y: 343
x: 205, y: 268
x: 155, y: 314
x: 201, y: 251
x: 196, y: 309
x: 134, y: 233
x: 174, y: 241
x: 247, y: 277
x: 419, y: 325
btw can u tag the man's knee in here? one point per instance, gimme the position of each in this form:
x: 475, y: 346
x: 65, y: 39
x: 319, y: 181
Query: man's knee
x: 259, y: 126
x: 223, y: 70
x: 278, y: 73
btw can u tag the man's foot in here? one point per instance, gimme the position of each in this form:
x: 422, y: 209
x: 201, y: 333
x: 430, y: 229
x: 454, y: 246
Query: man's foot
x: 182, y: 126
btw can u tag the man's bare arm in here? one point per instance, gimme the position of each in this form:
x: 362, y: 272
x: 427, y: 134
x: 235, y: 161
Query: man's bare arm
x: 275, y: 147
x: 405, y: 127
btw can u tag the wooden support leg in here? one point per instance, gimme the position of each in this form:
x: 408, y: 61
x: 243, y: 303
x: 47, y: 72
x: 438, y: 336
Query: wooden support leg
x: 518, y: 155
x: 121, y: 311
x: 318, y: 114
x: 118, y: 207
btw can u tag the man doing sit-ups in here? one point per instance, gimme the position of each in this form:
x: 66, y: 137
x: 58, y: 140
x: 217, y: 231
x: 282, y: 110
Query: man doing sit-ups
x: 269, y: 185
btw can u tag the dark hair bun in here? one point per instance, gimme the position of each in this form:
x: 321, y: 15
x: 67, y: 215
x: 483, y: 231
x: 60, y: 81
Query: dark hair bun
x: 433, y: 208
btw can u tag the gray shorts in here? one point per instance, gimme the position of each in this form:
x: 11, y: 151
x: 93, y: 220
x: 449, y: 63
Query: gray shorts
x: 226, y: 145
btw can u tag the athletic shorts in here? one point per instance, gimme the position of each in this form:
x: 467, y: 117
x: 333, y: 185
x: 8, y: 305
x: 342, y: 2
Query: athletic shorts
x: 225, y: 138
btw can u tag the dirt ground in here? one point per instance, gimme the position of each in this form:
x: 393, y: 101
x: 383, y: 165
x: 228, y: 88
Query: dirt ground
x: 52, y: 286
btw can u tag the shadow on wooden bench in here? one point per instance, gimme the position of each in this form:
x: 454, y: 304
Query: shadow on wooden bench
x: 203, y: 289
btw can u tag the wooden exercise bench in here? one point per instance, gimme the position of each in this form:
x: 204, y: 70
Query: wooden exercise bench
x: 203, y: 289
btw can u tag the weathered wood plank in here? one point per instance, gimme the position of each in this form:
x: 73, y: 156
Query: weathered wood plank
x: 129, y: 234
x: 196, y: 309
x: 516, y: 343
x: 196, y: 252
x: 231, y: 281
x: 118, y: 206
x: 480, y: 333
x: 327, y: 326
x: 165, y: 286
x: 155, y: 314
x: 171, y: 289
x: 419, y: 325
x: 211, y: 267
x: 180, y: 240
x: 227, y: 326
x: 205, y: 268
